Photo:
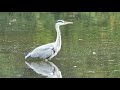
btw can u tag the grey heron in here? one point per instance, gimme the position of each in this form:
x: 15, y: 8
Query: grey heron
x: 48, y: 51
x: 45, y: 69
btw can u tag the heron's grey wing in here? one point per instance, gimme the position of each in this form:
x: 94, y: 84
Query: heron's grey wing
x: 44, y: 51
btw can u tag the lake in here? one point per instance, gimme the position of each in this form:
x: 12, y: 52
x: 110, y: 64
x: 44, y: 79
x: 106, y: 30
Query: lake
x: 90, y: 46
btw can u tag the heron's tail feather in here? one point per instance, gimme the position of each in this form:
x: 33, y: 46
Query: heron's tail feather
x: 27, y: 56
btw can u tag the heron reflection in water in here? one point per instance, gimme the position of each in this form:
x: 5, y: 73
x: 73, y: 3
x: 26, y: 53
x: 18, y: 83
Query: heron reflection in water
x: 48, y: 51
x: 45, y: 68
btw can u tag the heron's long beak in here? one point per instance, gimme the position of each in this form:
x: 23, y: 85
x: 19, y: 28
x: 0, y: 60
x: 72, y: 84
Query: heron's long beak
x: 68, y: 22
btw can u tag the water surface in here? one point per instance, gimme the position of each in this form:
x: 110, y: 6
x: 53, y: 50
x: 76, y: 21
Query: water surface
x: 90, y: 47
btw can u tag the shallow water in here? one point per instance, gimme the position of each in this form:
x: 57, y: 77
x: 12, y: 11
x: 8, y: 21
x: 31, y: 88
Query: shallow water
x: 90, y: 47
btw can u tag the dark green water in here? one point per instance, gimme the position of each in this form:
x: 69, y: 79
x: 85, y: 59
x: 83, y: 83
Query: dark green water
x: 90, y: 47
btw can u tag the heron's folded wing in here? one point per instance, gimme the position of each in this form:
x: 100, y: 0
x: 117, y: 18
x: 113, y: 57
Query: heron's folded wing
x: 43, y: 52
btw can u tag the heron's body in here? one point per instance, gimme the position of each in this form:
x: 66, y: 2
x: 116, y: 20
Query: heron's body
x: 45, y: 51
x: 48, y: 51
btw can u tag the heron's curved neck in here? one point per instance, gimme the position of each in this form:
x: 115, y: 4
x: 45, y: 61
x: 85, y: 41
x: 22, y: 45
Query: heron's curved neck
x: 58, y: 38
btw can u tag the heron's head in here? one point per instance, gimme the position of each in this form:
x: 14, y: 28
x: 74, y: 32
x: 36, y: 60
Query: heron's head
x: 62, y: 22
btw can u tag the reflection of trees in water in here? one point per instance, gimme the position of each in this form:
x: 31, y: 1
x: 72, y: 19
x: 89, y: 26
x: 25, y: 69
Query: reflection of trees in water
x: 43, y: 68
